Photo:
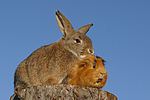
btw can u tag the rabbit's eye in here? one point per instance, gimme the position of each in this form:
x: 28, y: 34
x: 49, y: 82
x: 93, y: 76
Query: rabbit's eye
x: 77, y: 41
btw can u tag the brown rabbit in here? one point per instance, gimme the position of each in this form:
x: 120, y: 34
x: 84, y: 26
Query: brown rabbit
x: 88, y: 72
x: 49, y: 64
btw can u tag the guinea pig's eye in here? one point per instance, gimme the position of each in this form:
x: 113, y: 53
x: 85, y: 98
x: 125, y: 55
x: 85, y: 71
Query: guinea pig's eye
x: 77, y: 41
x: 94, y: 64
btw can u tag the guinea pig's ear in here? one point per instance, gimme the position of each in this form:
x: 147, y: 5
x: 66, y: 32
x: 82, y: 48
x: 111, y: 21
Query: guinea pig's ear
x: 83, y: 64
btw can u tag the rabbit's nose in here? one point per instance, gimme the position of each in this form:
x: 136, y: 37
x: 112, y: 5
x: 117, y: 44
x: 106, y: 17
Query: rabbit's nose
x: 91, y: 51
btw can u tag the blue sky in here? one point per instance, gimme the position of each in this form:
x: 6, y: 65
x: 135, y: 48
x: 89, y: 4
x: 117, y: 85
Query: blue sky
x: 120, y: 35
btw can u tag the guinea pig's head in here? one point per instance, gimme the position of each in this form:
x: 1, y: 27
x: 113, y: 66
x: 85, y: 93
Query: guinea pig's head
x: 92, y: 72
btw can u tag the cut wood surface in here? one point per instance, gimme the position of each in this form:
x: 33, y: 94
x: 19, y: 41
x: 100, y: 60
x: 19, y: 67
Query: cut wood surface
x: 63, y: 92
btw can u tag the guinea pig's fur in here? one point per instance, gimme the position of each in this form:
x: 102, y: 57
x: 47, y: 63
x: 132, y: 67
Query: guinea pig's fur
x: 88, y: 72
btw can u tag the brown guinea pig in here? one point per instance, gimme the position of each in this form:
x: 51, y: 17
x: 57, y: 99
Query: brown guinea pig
x: 88, y: 72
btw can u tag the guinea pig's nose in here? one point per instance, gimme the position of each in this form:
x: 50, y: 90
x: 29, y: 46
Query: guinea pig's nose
x: 102, y: 73
x: 91, y: 51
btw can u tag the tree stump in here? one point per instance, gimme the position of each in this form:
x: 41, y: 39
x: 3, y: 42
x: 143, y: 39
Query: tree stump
x: 63, y: 92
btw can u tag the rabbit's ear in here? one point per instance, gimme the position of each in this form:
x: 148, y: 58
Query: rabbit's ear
x: 84, y: 29
x: 63, y: 23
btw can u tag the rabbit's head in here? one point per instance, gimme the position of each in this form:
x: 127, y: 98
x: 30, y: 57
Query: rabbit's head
x: 89, y: 72
x: 74, y: 41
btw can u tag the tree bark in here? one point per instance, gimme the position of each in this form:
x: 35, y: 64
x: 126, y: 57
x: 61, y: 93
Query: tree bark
x: 63, y: 92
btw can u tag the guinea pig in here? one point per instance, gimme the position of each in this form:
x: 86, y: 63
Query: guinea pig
x: 89, y: 72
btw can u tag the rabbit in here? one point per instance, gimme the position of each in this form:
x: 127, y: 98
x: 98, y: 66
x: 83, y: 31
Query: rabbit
x: 49, y: 64
x: 89, y: 72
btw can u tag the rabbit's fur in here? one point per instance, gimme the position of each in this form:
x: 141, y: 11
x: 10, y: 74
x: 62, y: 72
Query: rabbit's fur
x: 88, y: 72
x: 49, y: 64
